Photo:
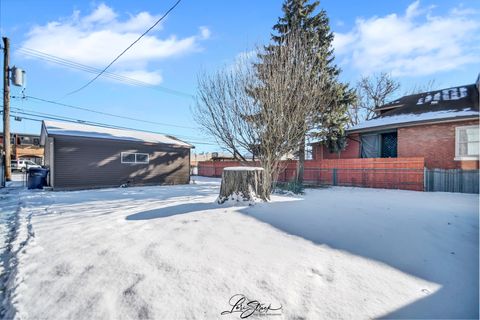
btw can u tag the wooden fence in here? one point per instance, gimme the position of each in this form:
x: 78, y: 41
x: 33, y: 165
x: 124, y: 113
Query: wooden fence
x: 390, y: 173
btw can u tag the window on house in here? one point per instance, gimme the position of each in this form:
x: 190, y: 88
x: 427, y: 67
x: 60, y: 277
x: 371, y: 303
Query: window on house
x: 467, y: 143
x: 370, y: 145
x: 131, y: 157
x: 25, y: 140
x: 389, y: 145
x: 379, y: 145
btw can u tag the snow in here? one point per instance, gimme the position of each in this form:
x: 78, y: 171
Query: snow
x: 445, y: 95
x: 84, y: 130
x: 171, y: 252
x: 242, y: 168
x: 407, y: 118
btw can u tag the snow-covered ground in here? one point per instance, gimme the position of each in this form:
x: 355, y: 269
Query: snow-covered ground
x: 172, y: 253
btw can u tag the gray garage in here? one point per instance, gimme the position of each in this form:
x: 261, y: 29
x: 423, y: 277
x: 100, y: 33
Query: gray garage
x: 82, y: 156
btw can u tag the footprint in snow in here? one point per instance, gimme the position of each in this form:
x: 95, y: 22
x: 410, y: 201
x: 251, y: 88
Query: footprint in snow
x: 62, y: 269
x: 329, y: 277
x: 103, y: 252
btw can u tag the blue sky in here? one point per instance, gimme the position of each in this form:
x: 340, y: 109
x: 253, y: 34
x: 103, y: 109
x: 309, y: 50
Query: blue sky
x: 416, y: 41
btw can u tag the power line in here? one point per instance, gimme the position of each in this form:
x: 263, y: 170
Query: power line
x: 101, y: 112
x: 16, y: 114
x: 123, y: 52
x: 111, y: 75
x: 57, y: 117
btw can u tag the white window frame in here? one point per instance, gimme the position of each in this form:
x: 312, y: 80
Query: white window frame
x: 135, y: 161
x: 459, y: 157
x: 142, y: 162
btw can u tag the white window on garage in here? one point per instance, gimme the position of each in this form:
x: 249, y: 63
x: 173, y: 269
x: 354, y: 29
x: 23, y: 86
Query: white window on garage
x: 467, y: 143
x: 134, y: 157
x: 141, y: 158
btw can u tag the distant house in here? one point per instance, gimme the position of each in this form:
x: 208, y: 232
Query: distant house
x: 440, y: 126
x: 25, y: 146
x: 83, y: 156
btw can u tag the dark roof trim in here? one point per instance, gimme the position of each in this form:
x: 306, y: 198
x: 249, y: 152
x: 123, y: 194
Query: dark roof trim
x: 412, y: 124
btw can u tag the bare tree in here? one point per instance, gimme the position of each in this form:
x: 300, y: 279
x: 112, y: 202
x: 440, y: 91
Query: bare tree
x: 262, y: 107
x: 376, y: 90
x: 372, y: 91
x: 429, y: 86
x: 219, y: 96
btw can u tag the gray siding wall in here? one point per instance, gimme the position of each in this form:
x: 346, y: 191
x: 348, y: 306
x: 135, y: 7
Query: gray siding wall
x: 82, y: 163
x: 48, y: 158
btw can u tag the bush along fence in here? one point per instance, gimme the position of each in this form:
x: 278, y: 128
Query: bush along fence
x: 389, y: 173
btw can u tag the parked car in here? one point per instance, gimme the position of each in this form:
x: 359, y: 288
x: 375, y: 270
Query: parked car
x: 23, y: 165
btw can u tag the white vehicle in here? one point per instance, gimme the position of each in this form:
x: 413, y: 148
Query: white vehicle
x: 23, y: 165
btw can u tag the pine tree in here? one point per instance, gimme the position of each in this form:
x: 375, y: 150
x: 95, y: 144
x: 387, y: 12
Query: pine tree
x: 330, y: 118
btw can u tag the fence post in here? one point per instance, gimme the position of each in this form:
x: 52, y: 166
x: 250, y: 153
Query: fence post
x: 2, y: 171
x: 425, y: 179
x: 461, y: 185
x: 334, y: 176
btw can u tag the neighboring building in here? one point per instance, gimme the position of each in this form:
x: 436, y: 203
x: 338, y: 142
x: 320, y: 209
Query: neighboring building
x: 207, y: 156
x: 214, y: 156
x: 83, y: 156
x: 440, y: 126
x: 25, y: 146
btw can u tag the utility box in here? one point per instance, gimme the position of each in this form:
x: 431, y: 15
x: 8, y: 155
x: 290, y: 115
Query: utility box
x: 18, y: 77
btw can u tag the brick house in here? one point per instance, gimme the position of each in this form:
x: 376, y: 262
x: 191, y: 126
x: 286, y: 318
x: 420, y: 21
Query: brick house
x: 25, y: 146
x: 441, y: 126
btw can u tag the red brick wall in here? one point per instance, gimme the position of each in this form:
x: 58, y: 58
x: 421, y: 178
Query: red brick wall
x: 434, y: 142
x: 352, y: 151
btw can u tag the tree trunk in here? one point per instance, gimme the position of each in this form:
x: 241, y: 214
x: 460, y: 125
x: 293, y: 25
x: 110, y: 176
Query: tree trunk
x: 301, y: 161
x: 242, y: 184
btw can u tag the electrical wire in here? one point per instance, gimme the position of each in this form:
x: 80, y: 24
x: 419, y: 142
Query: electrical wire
x: 108, y: 74
x: 43, y: 116
x: 101, y: 112
x: 124, y: 51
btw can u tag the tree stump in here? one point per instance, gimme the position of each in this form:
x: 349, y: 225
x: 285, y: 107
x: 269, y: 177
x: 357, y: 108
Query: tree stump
x: 241, y: 184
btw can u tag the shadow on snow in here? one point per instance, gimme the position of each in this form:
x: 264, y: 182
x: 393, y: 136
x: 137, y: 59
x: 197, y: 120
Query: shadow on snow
x: 173, y: 210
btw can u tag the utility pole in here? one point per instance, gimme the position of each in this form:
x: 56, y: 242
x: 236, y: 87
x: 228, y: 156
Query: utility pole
x: 6, y: 109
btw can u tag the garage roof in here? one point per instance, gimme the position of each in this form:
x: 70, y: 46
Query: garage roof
x: 57, y: 128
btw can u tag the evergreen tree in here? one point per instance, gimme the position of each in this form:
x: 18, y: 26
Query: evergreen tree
x: 330, y: 118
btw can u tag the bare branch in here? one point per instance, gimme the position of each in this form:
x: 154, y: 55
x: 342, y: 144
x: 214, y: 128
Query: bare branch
x: 262, y: 107
x: 372, y: 92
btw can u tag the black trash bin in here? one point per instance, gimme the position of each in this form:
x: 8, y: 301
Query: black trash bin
x: 37, y: 178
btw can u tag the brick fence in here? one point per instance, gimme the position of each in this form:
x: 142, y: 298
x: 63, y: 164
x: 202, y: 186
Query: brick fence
x: 389, y: 173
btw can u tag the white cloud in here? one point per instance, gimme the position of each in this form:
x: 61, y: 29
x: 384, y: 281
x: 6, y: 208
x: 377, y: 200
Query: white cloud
x: 102, y: 14
x: 205, y: 32
x: 342, y: 42
x: 97, y: 38
x: 416, y: 43
x: 151, y: 77
x: 413, y: 10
